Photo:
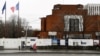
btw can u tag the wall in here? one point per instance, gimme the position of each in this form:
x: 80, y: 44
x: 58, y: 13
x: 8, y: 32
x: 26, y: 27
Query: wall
x: 15, y: 43
x: 44, y: 42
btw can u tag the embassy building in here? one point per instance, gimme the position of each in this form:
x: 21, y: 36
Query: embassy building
x: 72, y: 21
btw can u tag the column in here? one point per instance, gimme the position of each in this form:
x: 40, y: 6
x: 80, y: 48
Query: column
x: 91, y: 10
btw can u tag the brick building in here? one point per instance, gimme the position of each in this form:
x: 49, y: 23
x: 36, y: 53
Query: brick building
x: 72, y: 21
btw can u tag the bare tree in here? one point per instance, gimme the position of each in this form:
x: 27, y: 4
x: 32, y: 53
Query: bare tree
x: 14, y: 28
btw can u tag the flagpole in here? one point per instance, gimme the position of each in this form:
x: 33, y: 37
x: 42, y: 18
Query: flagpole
x: 18, y: 11
x: 5, y: 18
x: 18, y: 21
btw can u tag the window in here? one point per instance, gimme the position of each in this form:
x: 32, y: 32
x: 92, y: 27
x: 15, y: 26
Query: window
x: 80, y: 36
x: 65, y: 36
x: 87, y: 36
x: 32, y: 39
x: 57, y: 8
x: 75, y: 36
x: 52, y: 36
x: 73, y: 25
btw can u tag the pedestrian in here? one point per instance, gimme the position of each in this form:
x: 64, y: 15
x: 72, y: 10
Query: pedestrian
x: 34, y: 47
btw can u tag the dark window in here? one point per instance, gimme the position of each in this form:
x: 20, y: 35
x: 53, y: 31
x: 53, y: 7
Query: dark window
x: 75, y: 36
x: 57, y: 8
x: 32, y: 39
x: 97, y: 37
x: 52, y: 37
x: 73, y: 24
x: 87, y: 36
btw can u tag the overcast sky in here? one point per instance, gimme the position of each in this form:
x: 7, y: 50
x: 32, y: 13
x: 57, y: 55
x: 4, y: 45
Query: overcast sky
x: 33, y: 10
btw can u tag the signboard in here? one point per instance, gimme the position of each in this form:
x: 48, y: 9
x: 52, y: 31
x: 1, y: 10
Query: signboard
x: 80, y: 42
x: 52, y: 33
x: 62, y: 42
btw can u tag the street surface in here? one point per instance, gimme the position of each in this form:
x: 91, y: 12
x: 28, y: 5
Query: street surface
x: 36, y: 54
x: 49, y: 53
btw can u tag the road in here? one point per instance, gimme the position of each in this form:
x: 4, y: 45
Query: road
x: 49, y: 53
x: 37, y: 54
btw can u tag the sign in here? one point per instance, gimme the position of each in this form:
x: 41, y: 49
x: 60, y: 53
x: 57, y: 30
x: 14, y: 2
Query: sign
x: 62, y: 42
x: 80, y: 42
x: 52, y: 33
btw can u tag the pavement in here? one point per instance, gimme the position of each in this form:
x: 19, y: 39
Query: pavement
x: 51, y: 51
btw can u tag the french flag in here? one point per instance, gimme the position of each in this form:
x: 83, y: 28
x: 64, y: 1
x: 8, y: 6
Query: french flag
x: 13, y: 8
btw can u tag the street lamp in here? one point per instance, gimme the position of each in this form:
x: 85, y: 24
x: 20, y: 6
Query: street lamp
x: 26, y: 28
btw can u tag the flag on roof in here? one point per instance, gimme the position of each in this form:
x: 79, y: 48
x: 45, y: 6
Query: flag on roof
x: 4, y: 7
x: 17, y: 6
x: 12, y: 9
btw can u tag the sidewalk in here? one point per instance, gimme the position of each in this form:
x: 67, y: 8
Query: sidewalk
x: 51, y: 51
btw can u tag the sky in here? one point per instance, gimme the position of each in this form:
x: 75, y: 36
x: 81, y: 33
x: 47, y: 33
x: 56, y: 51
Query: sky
x: 33, y: 10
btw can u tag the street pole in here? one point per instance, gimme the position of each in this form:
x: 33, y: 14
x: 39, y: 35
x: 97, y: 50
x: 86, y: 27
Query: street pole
x: 18, y: 21
x: 26, y: 33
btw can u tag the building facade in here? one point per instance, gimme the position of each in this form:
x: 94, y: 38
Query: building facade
x: 72, y: 21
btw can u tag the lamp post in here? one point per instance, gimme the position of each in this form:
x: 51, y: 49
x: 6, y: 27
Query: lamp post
x: 26, y: 28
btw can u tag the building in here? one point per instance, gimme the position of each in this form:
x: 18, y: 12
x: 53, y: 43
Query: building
x: 72, y: 21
